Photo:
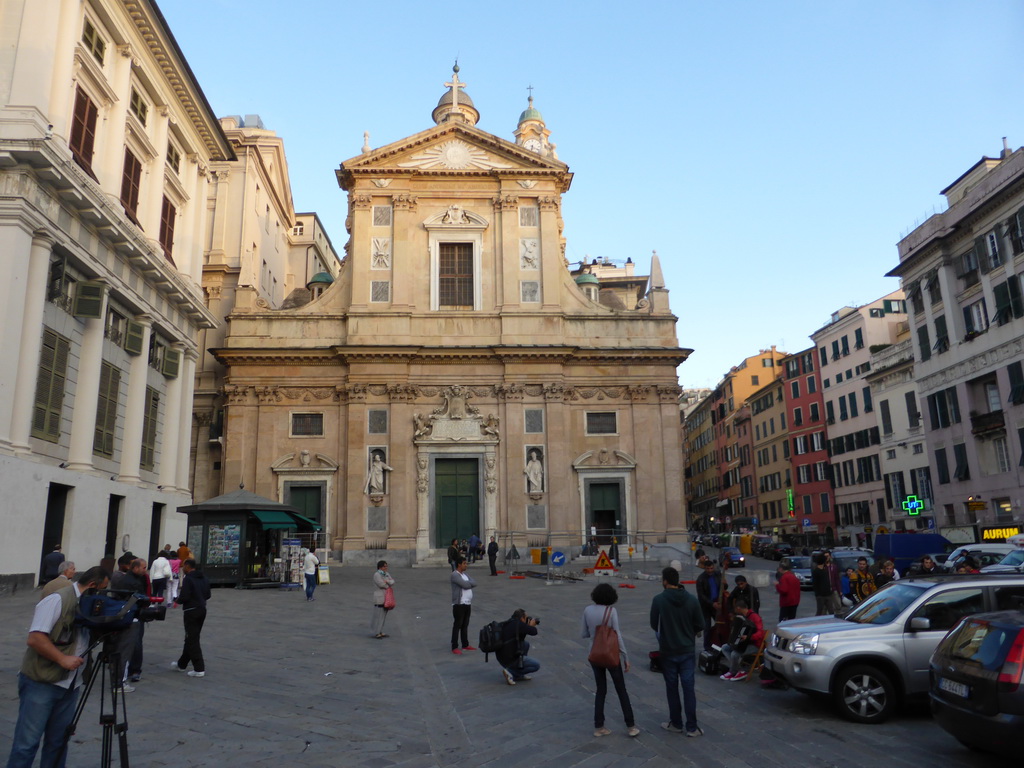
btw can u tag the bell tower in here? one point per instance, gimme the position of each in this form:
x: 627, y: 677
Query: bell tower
x: 532, y: 133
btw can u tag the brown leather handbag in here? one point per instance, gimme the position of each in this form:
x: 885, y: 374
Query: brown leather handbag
x: 605, y: 650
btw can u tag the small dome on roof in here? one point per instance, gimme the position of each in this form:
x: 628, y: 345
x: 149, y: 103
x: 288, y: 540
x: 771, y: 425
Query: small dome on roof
x: 320, y: 277
x: 586, y: 279
x: 531, y: 114
x: 464, y: 99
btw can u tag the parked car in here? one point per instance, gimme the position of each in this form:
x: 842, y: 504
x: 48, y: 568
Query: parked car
x: 732, y: 557
x: 1012, y: 563
x: 778, y: 550
x: 847, y: 557
x: 878, y: 654
x: 976, y: 682
x: 982, y: 554
x: 759, y: 544
x: 801, y: 566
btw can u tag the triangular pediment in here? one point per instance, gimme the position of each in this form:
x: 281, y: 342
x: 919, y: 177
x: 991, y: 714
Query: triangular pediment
x: 453, y: 147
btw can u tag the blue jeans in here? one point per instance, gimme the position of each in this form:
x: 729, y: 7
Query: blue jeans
x: 310, y: 585
x: 676, y: 670
x: 44, y: 712
x: 524, y: 665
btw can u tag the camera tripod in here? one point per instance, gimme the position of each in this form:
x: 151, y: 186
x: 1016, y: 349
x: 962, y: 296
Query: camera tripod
x: 109, y: 668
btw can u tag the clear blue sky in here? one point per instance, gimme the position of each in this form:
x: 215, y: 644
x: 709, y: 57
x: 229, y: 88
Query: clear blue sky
x: 772, y: 153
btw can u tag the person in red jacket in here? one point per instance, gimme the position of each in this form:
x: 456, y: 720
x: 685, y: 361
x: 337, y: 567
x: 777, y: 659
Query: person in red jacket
x: 747, y: 632
x: 788, y: 587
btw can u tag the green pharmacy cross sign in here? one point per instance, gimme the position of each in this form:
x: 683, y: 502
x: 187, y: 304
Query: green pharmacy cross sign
x: 913, y: 505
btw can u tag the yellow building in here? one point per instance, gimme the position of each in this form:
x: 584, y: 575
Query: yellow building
x: 455, y: 378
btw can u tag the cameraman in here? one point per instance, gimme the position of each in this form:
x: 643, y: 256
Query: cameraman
x: 136, y: 581
x: 49, y: 679
x: 516, y: 665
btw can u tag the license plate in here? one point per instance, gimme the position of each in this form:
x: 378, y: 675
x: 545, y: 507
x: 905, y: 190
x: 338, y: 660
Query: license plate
x: 950, y: 686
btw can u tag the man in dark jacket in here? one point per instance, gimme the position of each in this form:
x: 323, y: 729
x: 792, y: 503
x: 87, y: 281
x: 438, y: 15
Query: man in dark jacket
x: 195, y: 591
x: 821, y: 585
x: 492, y: 556
x: 136, y: 581
x: 746, y: 592
x: 515, y: 664
x: 709, y: 586
x: 676, y: 618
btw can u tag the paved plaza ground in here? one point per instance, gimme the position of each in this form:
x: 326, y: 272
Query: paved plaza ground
x: 292, y: 683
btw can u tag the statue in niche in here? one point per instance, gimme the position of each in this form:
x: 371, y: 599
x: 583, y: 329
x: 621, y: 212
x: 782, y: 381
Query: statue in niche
x: 534, y: 474
x: 375, y: 476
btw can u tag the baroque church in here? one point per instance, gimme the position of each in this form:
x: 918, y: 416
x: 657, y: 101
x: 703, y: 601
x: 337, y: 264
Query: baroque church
x: 457, y: 376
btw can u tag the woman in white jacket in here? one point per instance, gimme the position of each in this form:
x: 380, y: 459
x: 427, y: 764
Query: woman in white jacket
x: 381, y: 581
x: 159, y: 574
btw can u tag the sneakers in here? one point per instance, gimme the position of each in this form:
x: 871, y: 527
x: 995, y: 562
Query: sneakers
x: 671, y: 728
x: 508, y: 677
x: 602, y: 731
x: 741, y: 675
x: 193, y: 673
x: 468, y: 648
x: 694, y: 734
x: 526, y: 677
x: 125, y: 688
x: 633, y: 731
x: 134, y: 678
x: 456, y: 651
x: 174, y: 666
x: 726, y: 676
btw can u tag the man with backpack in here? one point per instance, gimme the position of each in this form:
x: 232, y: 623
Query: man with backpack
x: 516, y: 666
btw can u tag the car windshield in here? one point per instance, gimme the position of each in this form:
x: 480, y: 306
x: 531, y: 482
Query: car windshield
x: 1014, y: 558
x: 800, y: 562
x: 885, y: 605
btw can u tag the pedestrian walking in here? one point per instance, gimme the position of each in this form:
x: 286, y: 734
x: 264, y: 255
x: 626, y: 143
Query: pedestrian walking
x: 677, y: 618
x: 382, y: 582
x: 453, y: 553
x: 309, y: 566
x: 160, y: 574
x: 788, y: 587
x: 492, y: 556
x: 51, y: 565
x: 195, y: 591
x: 821, y: 585
x: 603, y: 613
x: 462, y: 601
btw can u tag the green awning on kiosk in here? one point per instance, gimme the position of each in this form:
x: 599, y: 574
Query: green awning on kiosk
x: 271, y: 519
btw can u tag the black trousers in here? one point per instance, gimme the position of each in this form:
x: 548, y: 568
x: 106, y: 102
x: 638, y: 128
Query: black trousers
x: 193, y: 620
x: 602, y: 690
x: 491, y: 559
x: 787, y: 612
x: 460, y: 625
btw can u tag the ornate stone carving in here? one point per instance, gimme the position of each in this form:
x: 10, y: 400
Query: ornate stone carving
x: 506, y: 203
x: 548, y: 203
x: 422, y: 480
x: 455, y: 215
x: 554, y: 391
x: 526, y: 183
x: 529, y: 253
x: 455, y: 405
x: 669, y: 393
x: 453, y: 155
x: 490, y: 476
x: 638, y: 392
x: 266, y: 395
x: 490, y: 425
x: 362, y: 202
x: 402, y: 393
x: 202, y: 418
x: 236, y: 395
x: 509, y: 391
x: 305, y: 394
x: 381, y: 253
x: 381, y: 183
x: 357, y: 393
x: 422, y: 426
x: 404, y: 202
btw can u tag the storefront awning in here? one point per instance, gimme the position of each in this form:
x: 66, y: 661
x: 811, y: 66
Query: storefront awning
x: 311, y: 523
x: 271, y: 519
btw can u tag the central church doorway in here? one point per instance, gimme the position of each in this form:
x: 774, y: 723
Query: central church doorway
x: 456, y: 499
x: 604, y: 506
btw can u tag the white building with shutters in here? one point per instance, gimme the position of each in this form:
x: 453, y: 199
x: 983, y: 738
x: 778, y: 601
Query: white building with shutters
x: 105, y: 143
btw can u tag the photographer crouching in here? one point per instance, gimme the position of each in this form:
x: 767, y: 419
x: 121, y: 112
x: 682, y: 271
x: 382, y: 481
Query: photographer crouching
x: 516, y: 665
x: 51, y: 673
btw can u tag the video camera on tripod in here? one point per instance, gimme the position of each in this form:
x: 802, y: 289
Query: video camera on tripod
x: 110, y: 610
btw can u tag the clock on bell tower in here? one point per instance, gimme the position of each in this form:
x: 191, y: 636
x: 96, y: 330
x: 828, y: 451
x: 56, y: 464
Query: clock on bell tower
x: 531, y: 133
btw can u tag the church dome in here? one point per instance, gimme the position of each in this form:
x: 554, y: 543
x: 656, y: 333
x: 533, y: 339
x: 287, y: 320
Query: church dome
x: 320, y: 277
x: 464, y: 99
x: 531, y: 114
x: 586, y: 279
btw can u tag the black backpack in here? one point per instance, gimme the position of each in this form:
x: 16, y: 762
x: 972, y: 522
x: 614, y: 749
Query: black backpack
x: 491, y: 638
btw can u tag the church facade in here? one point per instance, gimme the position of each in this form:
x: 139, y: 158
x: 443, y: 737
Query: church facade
x: 458, y: 377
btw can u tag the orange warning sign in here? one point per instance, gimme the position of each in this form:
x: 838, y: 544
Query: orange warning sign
x: 603, y: 563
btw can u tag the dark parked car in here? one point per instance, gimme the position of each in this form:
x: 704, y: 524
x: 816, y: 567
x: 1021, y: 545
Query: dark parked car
x: 733, y: 557
x: 778, y: 550
x: 759, y: 544
x: 976, y: 682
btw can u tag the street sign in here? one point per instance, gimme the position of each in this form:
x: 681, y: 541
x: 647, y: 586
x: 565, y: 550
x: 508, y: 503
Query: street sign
x: 558, y: 559
x: 807, y: 522
x: 931, y: 523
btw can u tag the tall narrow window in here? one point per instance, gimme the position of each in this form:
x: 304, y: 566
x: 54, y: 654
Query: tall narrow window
x: 49, y: 402
x: 883, y: 407
x: 93, y: 41
x: 149, y: 428
x: 131, y: 175
x: 455, y: 275
x: 83, y: 130
x: 167, y: 215
x: 106, y: 410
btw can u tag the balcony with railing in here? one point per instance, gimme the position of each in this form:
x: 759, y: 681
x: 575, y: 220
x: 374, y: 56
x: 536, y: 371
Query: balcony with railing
x: 988, y: 424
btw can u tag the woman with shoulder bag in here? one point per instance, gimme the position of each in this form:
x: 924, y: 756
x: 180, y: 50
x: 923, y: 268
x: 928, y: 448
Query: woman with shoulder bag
x: 383, y: 598
x: 607, y: 655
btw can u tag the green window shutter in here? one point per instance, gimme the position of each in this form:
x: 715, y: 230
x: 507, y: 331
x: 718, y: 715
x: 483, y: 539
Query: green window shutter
x: 106, y: 410
x: 133, y: 337
x: 981, y: 252
x: 49, y: 399
x: 172, y: 364
x: 89, y: 300
x: 149, y: 422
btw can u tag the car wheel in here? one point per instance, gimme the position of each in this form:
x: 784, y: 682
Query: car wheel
x: 865, y: 694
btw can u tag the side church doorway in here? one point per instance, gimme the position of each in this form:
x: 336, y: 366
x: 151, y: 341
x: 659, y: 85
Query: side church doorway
x: 456, y: 499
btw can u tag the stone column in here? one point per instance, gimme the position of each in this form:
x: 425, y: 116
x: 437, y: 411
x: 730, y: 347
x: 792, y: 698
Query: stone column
x: 22, y: 371
x: 83, y: 417
x: 552, y: 266
x: 110, y: 167
x: 422, y: 502
x: 359, y: 254
x: 356, y: 462
x: 506, y: 210
x: 401, y: 484
x: 135, y: 407
x: 187, y: 377
x: 168, y: 469
x: 672, y: 453
x: 151, y: 203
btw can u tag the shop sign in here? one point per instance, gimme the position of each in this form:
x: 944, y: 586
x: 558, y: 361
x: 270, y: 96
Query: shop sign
x: 1000, y: 535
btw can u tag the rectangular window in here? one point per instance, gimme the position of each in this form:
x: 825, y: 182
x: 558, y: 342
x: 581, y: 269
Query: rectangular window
x: 924, y: 345
x: 83, y: 130
x: 50, y: 381
x: 131, y: 176
x: 174, y: 159
x: 795, y: 388
x: 307, y: 425
x: 150, y: 420
x: 868, y: 406
x: 815, y: 413
x: 975, y: 317
x: 455, y: 275
x: 803, y: 473
x: 818, y: 441
x: 820, y: 470
x: 835, y: 350
x: 139, y: 107
x: 533, y: 421
x: 823, y: 355
x: 106, y: 410
x: 858, y: 338
x: 376, y: 421
x: 529, y: 291
x: 961, y: 471
x: 812, y: 386
x: 826, y: 503
x: 167, y: 215
x: 830, y: 413
x: 992, y: 246
x: 754, y: 381
x: 798, y: 417
x: 1016, y: 374
x: 913, y: 414
x: 853, y: 404
x: 934, y: 290
x: 601, y: 423
x: 883, y: 409
x: 382, y: 215
x: 529, y: 216
x: 845, y: 344
x: 92, y: 40
x: 843, y: 415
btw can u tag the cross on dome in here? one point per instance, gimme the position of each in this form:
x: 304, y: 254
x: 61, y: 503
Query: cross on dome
x: 455, y: 85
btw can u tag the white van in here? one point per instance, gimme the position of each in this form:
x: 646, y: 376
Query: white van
x: 983, y: 554
x: 1014, y: 560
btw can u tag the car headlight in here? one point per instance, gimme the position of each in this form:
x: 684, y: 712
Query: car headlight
x: 805, y: 644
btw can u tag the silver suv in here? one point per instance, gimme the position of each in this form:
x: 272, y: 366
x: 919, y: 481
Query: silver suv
x: 878, y: 653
